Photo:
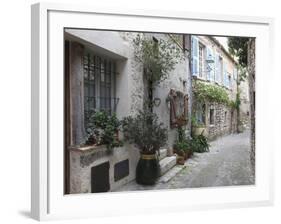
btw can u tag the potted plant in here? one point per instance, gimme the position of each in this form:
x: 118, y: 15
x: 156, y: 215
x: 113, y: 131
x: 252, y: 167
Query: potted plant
x: 197, y: 127
x: 103, y: 128
x: 200, y: 144
x: 180, y: 150
x: 183, y: 149
x: 148, y: 134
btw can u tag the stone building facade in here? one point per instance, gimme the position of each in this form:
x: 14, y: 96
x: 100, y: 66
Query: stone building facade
x: 101, y: 71
x: 245, y: 104
x: 213, y: 65
x: 252, y: 93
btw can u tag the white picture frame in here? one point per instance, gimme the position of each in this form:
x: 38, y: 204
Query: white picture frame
x: 48, y: 201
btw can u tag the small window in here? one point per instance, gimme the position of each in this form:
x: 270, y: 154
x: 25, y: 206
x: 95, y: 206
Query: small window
x: 225, y: 117
x: 212, y: 116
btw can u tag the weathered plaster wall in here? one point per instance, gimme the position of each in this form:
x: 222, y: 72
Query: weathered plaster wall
x: 178, y: 79
x: 81, y: 163
x: 130, y: 90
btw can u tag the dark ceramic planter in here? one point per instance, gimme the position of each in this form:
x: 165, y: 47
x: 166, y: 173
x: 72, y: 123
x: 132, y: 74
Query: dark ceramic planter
x: 147, y: 170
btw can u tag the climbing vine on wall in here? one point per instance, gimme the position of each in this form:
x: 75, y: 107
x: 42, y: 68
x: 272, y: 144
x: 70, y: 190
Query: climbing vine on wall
x: 204, y: 91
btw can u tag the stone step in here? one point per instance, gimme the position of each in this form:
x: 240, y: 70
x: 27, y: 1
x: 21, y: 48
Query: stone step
x: 171, y: 174
x: 163, y: 153
x: 167, y: 163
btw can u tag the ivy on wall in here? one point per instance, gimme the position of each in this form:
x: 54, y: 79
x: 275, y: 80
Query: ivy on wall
x: 204, y: 91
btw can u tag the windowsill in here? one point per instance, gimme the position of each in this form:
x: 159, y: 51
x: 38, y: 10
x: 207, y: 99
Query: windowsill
x: 87, y: 148
x: 201, y: 78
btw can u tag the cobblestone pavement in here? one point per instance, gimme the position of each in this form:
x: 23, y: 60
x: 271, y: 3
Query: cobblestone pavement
x: 227, y: 164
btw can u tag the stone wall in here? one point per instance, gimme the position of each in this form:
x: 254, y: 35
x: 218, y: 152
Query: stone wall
x: 225, y: 120
x: 251, y: 78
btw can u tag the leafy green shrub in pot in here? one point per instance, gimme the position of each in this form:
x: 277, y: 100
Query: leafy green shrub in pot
x: 103, y: 128
x: 182, y: 146
x: 148, y: 134
x: 200, y: 144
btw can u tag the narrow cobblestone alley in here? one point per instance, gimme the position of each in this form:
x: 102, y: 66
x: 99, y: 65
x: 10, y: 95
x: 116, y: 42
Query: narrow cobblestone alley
x: 227, y: 164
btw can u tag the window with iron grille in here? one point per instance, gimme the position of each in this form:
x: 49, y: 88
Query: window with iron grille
x: 99, y: 84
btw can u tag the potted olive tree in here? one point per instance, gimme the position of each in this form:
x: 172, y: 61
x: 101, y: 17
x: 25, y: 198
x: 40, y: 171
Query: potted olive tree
x: 148, y: 134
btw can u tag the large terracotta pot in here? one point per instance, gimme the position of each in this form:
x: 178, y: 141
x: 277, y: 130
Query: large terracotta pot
x: 147, y: 170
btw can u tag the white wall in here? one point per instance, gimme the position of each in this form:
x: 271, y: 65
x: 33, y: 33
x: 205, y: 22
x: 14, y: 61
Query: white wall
x: 129, y: 81
x: 15, y: 111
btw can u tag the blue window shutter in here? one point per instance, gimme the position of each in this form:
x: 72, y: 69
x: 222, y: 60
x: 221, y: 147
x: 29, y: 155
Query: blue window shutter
x: 212, y: 65
x: 208, y: 56
x: 224, y: 74
x: 195, y: 56
x: 217, y: 68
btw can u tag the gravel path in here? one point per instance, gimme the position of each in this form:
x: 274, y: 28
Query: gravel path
x: 227, y: 164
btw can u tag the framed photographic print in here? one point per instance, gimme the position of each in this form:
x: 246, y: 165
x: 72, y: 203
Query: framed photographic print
x: 148, y: 111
